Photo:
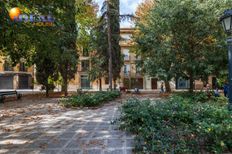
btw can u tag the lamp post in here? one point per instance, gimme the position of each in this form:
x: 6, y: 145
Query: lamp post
x: 226, y: 21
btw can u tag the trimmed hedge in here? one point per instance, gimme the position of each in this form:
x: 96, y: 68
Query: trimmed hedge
x: 90, y: 99
x: 178, y: 125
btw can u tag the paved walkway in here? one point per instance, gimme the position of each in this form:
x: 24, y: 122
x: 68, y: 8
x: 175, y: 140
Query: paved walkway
x: 47, y: 128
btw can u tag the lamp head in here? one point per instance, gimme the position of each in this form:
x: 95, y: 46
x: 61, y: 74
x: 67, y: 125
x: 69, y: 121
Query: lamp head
x: 226, y: 21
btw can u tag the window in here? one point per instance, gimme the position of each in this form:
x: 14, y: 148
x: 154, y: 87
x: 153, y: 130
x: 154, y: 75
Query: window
x: 85, y: 65
x: 7, y: 66
x: 138, y: 69
x: 22, y: 67
x: 85, y: 83
x: 126, y: 69
x: 107, y: 80
x: 183, y: 83
x: 85, y: 52
x: 126, y: 36
x: 126, y: 53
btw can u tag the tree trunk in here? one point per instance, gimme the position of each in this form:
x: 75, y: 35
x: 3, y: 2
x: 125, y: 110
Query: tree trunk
x: 191, y: 84
x: 110, y: 47
x: 115, y: 85
x: 65, y: 85
x: 47, y: 90
x: 100, y: 84
x: 168, y: 87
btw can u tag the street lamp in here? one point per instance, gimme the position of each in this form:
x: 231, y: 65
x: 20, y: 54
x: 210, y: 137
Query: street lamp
x: 226, y: 21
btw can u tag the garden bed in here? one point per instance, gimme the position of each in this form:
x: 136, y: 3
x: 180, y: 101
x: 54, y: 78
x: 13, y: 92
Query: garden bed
x: 90, y: 99
x: 179, y: 125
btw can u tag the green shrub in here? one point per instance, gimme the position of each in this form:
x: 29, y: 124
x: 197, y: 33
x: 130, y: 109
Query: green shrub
x: 90, y: 100
x: 178, y: 125
x: 195, y: 97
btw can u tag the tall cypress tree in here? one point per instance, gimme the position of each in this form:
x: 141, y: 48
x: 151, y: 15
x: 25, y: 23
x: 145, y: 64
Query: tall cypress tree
x: 67, y: 42
x: 109, y: 26
x: 116, y: 49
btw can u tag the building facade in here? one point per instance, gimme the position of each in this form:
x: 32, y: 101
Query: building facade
x: 130, y: 77
x: 131, y: 74
x: 18, y: 77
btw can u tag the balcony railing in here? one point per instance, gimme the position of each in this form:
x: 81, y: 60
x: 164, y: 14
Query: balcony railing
x: 126, y: 73
x: 126, y: 57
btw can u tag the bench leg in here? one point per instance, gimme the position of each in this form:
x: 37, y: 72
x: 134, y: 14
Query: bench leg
x: 19, y: 96
x: 2, y: 98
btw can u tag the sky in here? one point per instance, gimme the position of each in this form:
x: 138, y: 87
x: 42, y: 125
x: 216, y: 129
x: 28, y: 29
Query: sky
x: 126, y: 7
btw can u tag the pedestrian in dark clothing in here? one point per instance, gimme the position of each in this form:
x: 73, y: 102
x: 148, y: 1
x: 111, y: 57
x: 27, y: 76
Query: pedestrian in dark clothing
x: 162, y: 88
x: 216, y: 93
x: 226, y: 89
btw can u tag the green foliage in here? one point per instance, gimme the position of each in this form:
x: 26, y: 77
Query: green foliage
x: 101, y: 39
x: 96, y: 71
x: 57, y: 45
x: 202, y: 97
x: 91, y: 100
x: 195, y: 97
x: 183, y: 38
x: 178, y: 125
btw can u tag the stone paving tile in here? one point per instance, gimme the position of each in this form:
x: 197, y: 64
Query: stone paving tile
x: 71, y: 151
x: 37, y: 144
x: 114, y: 151
x: 25, y: 151
x: 67, y: 135
x: 129, y: 151
x: 76, y: 143
x: 57, y: 143
x: 83, y: 135
x: 10, y: 151
x: 95, y: 143
x: 93, y: 151
x: 33, y: 136
x: 129, y: 143
x: 48, y: 151
x: 115, y: 143
x: 69, y: 132
x: 102, y: 127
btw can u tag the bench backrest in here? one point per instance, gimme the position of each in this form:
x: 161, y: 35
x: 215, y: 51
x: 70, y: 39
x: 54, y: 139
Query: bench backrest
x: 8, y: 92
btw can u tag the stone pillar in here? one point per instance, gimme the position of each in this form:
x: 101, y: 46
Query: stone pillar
x: 16, y: 81
x: 148, y: 85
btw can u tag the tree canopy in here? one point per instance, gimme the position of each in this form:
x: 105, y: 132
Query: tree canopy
x: 183, y: 39
x: 58, y: 45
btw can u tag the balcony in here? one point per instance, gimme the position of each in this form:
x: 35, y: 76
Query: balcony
x: 85, y: 65
x: 126, y: 73
x: 126, y: 58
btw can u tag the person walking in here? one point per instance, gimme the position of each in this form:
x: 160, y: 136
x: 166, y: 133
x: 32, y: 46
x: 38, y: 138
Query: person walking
x: 162, y: 88
x: 216, y: 92
x: 225, y: 89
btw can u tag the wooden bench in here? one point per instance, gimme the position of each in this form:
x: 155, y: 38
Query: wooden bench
x: 3, y: 95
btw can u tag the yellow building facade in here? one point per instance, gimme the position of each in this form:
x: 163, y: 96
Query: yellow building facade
x: 131, y: 77
x: 18, y: 77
